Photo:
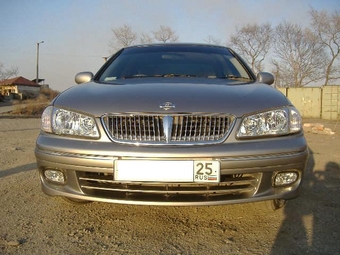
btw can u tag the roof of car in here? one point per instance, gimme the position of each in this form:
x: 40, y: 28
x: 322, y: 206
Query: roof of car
x: 176, y: 45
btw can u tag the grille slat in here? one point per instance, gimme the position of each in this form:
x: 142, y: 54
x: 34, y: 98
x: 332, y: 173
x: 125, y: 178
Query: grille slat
x: 200, y: 126
x: 185, y: 129
x: 144, y: 131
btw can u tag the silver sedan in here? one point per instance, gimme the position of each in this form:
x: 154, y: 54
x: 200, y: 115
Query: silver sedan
x: 172, y: 124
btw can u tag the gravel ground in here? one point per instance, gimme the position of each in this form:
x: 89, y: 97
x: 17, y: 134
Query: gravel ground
x: 33, y: 223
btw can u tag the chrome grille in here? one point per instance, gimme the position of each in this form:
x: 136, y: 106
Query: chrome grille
x: 168, y: 129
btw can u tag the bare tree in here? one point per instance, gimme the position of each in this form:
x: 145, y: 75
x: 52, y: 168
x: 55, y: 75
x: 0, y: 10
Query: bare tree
x: 145, y: 38
x: 276, y: 71
x: 327, y: 28
x: 298, y: 57
x: 213, y: 40
x: 253, y: 41
x: 165, y: 34
x: 7, y: 73
x: 123, y: 37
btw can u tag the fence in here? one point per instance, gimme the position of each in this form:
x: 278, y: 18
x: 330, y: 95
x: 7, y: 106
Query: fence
x: 320, y: 103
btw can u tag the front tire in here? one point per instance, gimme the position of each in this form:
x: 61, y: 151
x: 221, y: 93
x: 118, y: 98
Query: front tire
x: 75, y: 201
x: 270, y: 205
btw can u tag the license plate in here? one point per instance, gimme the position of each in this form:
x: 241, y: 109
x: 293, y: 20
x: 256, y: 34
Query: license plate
x: 167, y: 171
x: 206, y: 171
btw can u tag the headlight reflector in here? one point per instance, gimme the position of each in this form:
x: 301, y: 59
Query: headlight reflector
x: 274, y: 122
x: 65, y: 122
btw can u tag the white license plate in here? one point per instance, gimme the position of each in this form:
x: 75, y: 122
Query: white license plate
x: 167, y: 171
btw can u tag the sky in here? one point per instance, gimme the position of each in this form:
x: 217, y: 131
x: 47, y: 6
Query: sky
x: 77, y: 33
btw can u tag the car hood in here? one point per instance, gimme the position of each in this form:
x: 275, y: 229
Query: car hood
x: 136, y: 96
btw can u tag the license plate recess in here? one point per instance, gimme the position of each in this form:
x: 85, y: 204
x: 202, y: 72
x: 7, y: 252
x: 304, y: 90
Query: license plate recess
x: 167, y: 170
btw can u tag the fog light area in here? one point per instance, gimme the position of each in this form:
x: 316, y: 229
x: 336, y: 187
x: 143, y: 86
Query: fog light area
x: 55, y: 176
x: 285, y: 178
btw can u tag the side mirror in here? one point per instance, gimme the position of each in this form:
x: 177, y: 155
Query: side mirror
x: 83, y: 77
x: 266, y: 78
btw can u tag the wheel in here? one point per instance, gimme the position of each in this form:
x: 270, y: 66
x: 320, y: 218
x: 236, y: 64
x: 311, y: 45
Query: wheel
x: 270, y: 205
x: 278, y: 203
x: 75, y: 201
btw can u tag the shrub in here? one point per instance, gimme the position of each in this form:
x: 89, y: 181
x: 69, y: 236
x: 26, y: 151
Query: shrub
x: 36, y: 106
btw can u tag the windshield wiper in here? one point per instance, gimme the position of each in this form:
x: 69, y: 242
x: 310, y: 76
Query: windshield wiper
x: 139, y: 75
x: 177, y: 75
x: 238, y: 78
x: 170, y: 75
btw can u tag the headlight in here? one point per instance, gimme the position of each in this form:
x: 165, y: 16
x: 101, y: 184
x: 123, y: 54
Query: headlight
x: 275, y: 122
x: 65, y: 122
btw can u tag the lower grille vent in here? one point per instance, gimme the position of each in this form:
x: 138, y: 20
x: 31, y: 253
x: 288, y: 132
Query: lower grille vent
x: 231, y: 187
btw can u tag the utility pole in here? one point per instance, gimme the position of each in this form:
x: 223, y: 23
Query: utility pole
x: 37, y: 78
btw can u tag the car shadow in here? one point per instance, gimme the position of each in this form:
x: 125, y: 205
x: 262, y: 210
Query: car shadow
x: 16, y: 170
x: 310, y: 224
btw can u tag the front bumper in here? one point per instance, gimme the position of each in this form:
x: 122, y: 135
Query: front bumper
x: 247, y: 171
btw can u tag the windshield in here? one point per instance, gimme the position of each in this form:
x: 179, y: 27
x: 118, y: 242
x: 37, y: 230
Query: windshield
x: 188, y: 61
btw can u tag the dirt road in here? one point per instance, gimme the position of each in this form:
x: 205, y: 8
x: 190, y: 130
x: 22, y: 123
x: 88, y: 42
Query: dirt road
x: 33, y: 223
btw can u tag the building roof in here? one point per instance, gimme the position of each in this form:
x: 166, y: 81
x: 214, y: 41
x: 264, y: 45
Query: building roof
x: 40, y: 80
x: 19, y: 81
